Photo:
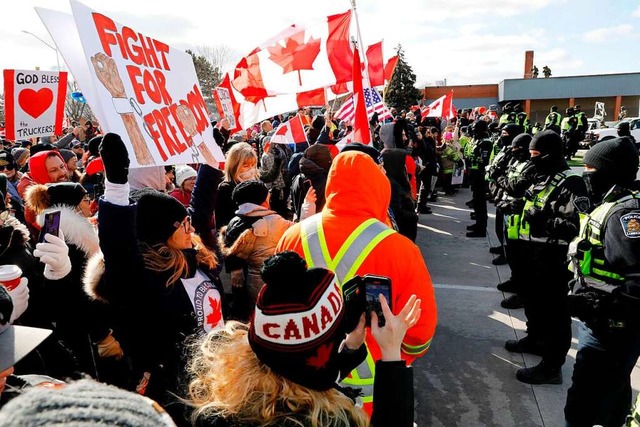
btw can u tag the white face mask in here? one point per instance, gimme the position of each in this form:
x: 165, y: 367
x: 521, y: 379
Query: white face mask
x: 248, y: 175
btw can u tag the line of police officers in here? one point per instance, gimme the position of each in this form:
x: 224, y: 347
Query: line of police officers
x: 550, y: 218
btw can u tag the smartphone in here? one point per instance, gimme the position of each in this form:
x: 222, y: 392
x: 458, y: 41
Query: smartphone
x: 354, y: 302
x: 373, y: 287
x: 51, y: 224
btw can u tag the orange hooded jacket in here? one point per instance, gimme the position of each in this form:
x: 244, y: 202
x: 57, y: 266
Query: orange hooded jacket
x: 358, y: 190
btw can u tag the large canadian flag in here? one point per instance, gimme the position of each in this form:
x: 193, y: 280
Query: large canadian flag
x: 298, y: 59
x: 289, y: 132
x: 441, y: 107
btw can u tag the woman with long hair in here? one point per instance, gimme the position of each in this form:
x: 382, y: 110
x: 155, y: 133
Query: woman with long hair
x: 241, y: 165
x: 157, y: 275
x: 282, y: 368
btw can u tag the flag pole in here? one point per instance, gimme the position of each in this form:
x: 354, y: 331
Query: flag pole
x: 365, y: 76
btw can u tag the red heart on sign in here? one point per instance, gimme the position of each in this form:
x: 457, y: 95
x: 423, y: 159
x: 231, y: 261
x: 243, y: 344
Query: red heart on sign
x: 35, y: 103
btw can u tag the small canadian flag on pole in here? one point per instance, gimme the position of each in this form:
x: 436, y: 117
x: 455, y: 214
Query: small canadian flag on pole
x: 290, y: 132
x: 441, y: 107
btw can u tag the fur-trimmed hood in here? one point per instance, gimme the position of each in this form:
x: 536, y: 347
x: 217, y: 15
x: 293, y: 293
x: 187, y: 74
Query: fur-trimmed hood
x: 13, y: 233
x: 92, y: 279
x: 77, y: 229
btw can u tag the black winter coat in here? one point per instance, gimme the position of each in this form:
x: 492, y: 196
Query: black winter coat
x: 154, y: 320
x: 318, y: 177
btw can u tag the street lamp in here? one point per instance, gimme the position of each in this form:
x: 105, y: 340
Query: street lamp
x: 47, y: 44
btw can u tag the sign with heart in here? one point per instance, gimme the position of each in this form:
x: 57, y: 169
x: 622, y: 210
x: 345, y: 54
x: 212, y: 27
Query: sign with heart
x: 34, y: 103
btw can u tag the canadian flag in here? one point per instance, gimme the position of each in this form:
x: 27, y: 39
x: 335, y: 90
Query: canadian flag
x: 375, y: 64
x: 441, y: 107
x: 289, y: 132
x: 298, y: 59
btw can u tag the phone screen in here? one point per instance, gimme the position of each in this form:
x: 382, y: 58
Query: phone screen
x: 51, y: 224
x: 354, y: 302
x: 374, y: 286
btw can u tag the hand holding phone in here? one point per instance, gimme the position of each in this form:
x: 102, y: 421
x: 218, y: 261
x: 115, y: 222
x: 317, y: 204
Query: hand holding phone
x: 51, y: 225
x: 374, y: 286
x: 389, y: 337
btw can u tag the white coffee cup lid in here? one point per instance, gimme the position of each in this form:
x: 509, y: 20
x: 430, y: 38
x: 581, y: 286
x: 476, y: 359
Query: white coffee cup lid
x: 9, y: 272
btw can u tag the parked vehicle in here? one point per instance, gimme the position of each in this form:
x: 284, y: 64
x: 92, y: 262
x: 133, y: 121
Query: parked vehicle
x: 598, y: 135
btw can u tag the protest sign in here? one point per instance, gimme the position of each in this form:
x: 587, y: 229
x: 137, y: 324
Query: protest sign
x: 142, y: 89
x: 34, y: 103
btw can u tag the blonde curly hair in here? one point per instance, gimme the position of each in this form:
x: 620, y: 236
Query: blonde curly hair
x: 229, y: 381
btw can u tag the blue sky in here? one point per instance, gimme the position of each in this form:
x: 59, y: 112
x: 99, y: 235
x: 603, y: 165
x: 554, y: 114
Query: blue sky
x: 464, y: 41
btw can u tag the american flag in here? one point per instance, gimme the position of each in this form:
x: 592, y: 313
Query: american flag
x: 373, y: 103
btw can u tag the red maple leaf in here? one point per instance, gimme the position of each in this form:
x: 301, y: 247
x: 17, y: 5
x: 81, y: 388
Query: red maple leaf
x: 215, y: 316
x: 295, y: 55
x: 321, y: 357
x: 248, y: 79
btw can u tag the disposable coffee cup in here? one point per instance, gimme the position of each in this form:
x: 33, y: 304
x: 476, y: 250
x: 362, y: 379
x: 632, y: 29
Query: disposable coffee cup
x: 10, y: 276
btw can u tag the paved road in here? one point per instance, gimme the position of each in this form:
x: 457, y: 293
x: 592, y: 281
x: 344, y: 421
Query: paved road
x: 468, y: 378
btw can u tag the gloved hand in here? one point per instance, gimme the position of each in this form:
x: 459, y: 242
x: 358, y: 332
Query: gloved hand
x: 537, y: 221
x: 517, y: 206
x: 115, y: 158
x: 54, y: 253
x: 20, y: 299
x: 110, y: 347
x: 237, y: 278
x: 583, y: 306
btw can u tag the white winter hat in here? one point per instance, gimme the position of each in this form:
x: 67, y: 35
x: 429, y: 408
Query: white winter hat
x: 183, y: 173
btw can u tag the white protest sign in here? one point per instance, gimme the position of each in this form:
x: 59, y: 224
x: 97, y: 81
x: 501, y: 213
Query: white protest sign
x: 34, y: 103
x: 146, y: 91
x: 226, y: 105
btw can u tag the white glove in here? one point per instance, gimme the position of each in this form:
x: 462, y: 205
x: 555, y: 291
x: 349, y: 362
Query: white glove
x: 20, y: 299
x: 54, y: 253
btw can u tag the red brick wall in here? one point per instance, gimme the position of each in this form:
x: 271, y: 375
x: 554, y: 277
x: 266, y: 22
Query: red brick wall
x: 467, y: 91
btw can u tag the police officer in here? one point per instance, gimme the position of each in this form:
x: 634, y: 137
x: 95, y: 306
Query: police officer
x: 553, y: 120
x: 520, y: 175
x: 481, y: 154
x: 497, y: 169
x: 568, y: 128
x: 522, y: 119
x: 582, y: 126
x: 623, y: 130
x: 550, y: 220
x: 506, y: 111
x: 606, y: 264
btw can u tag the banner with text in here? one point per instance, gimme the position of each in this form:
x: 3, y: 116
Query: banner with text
x: 144, y: 90
x: 34, y: 103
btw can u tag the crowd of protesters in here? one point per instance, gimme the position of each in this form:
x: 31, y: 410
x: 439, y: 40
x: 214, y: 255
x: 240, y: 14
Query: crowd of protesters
x: 199, y: 287
x: 132, y: 289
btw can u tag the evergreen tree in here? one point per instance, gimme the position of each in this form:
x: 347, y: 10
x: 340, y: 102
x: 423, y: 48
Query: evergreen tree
x: 208, y: 77
x: 401, y: 92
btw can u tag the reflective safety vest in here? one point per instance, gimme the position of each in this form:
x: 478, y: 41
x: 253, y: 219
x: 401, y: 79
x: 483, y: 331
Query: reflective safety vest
x: 345, y: 264
x: 469, y: 153
x: 513, y: 220
x: 565, y: 125
x: 553, y: 118
x: 591, y: 261
x: 496, y: 154
x: 539, y: 201
x: 633, y: 420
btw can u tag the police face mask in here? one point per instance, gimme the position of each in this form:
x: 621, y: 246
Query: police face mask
x: 597, y: 184
x: 544, y: 163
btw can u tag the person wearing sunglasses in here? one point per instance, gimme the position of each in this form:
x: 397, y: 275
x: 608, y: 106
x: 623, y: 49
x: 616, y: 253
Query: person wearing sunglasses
x: 159, y: 277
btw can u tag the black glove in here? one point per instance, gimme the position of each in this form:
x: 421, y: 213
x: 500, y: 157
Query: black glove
x: 115, y: 158
x: 516, y: 206
x: 583, y: 306
x: 537, y: 221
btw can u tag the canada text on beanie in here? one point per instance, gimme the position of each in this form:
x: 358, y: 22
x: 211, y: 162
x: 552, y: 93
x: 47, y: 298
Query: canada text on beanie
x: 616, y: 157
x: 298, y: 323
x: 158, y: 217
